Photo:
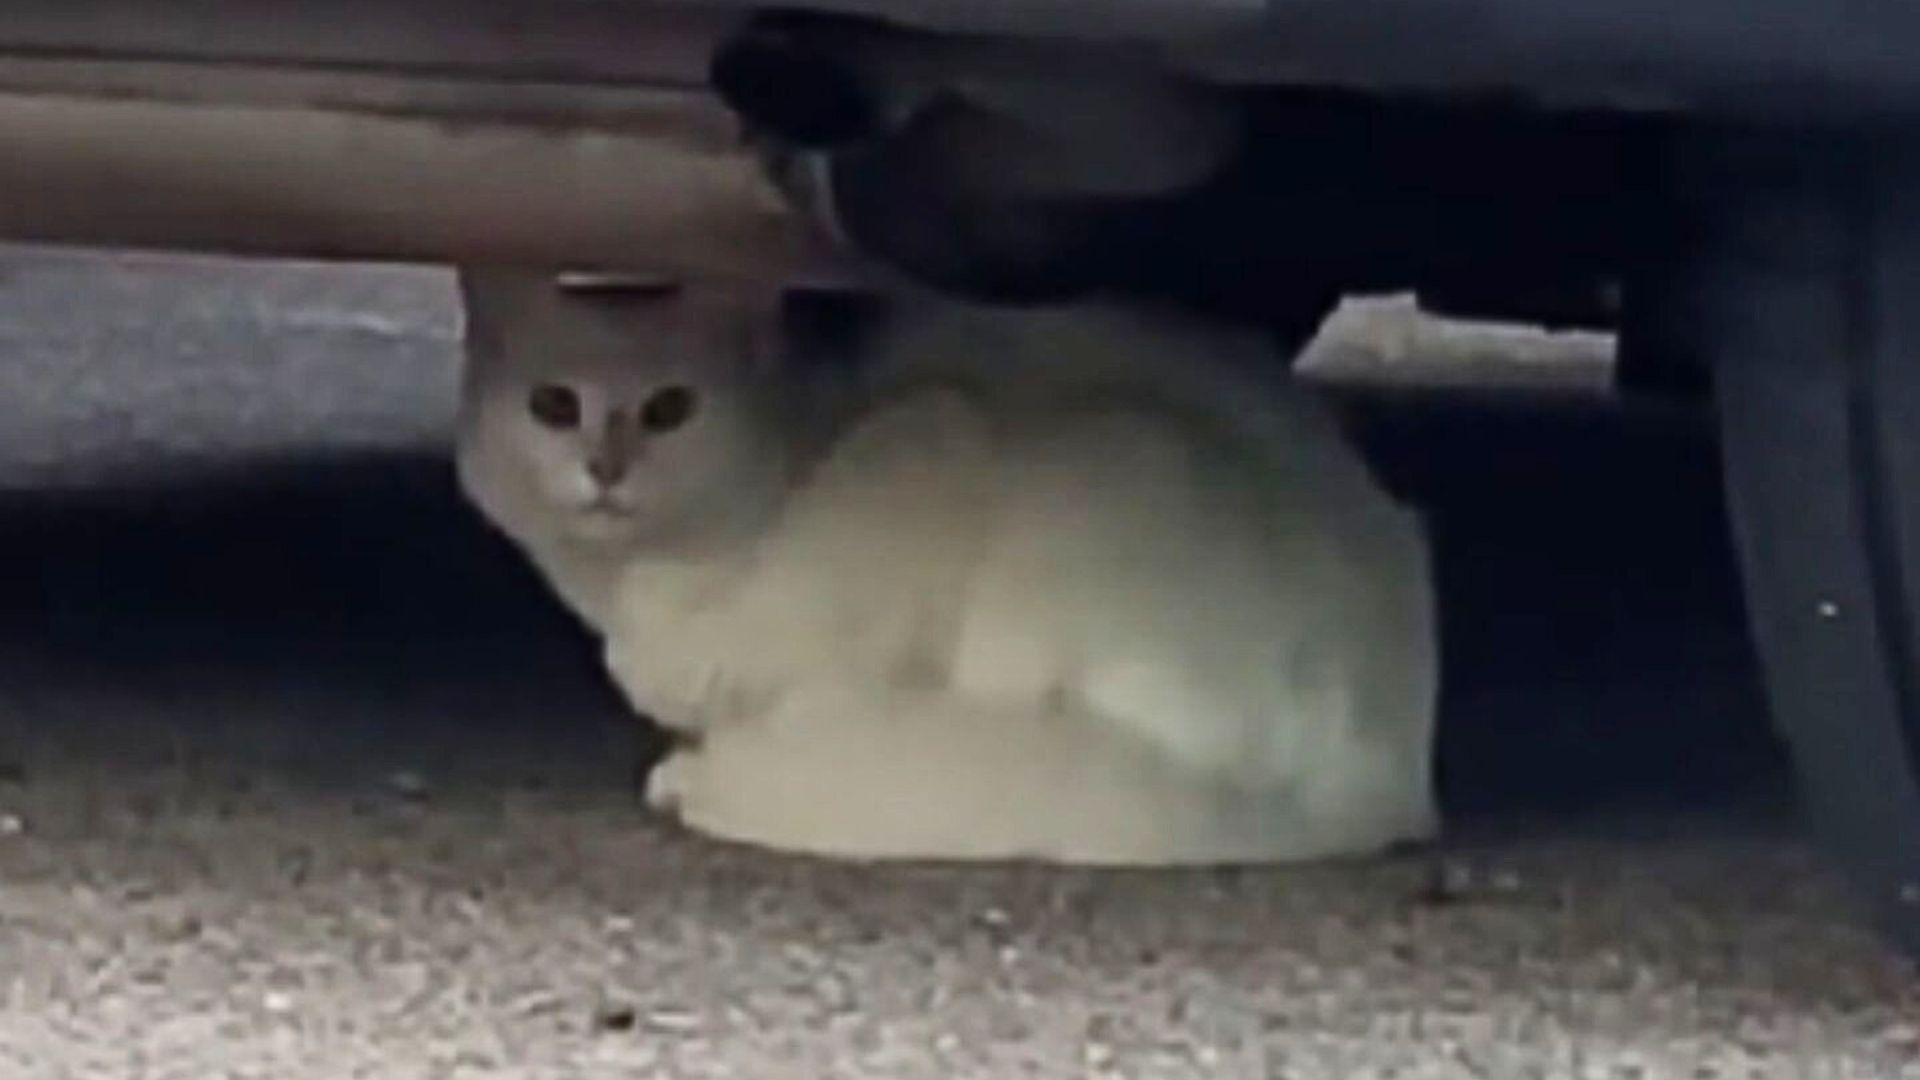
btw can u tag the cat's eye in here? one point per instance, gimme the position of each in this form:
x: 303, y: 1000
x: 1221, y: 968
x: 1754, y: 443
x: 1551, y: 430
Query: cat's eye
x: 557, y: 407
x: 667, y: 409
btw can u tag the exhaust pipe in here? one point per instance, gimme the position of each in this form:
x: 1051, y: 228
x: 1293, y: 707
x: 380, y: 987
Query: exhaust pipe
x: 306, y: 164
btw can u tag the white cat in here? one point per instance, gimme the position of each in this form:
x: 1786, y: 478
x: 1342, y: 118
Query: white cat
x: 1076, y: 585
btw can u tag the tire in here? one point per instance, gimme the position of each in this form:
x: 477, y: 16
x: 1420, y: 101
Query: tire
x: 1800, y: 283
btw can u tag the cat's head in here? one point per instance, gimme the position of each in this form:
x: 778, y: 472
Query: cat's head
x: 616, y: 412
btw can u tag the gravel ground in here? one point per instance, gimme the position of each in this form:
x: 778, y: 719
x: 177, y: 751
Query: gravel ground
x: 302, y: 778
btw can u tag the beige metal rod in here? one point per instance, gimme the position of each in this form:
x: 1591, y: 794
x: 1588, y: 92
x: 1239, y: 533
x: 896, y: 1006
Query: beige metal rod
x: 653, y: 179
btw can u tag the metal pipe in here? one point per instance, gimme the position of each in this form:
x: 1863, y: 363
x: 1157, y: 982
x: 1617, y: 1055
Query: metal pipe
x: 399, y: 171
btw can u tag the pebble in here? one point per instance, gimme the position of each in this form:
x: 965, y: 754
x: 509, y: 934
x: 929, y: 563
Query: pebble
x: 407, y: 784
x: 673, y: 1021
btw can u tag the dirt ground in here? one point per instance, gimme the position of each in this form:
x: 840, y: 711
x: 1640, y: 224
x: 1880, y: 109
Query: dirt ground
x: 302, y: 778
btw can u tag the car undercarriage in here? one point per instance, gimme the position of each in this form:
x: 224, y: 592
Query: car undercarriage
x: 1732, y: 188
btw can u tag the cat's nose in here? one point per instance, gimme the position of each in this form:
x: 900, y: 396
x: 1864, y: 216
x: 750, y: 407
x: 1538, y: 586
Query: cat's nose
x: 607, y: 464
x: 607, y: 469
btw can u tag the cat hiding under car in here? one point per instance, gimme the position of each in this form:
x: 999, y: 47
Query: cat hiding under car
x: 1081, y: 584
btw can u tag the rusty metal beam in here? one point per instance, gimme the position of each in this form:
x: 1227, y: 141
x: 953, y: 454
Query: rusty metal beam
x: 548, y: 130
x: 438, y: 130
x: 325, y: 163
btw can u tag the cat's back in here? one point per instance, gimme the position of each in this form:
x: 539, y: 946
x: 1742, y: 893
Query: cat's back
x: 910, y: 451
x: 1109, y: 488
x: 892, y: 516
x: 1054, y: 361
x: 1116, y: 438
x: 1123, y: 508
x: 1041, y: 353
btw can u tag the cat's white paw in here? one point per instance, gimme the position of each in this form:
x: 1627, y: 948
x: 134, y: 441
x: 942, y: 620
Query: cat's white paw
x: 692, y: 647
x: 932, y: 777
x: 636, y: 676
x: 687, y: 689
x: 670, y: 781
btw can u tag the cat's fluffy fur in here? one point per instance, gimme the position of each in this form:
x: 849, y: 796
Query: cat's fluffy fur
x: 1081, y: 585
